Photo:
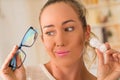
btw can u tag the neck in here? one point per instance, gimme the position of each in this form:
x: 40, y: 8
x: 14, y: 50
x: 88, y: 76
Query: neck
x: 76, y: 71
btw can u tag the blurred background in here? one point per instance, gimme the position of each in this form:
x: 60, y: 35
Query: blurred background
x: 16, y: 16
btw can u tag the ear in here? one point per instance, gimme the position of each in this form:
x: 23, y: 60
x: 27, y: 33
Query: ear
x: 41, y: 37
x: 87, y: 33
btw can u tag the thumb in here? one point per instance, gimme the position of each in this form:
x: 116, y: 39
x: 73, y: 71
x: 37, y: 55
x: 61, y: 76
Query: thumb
x: 100, y: 57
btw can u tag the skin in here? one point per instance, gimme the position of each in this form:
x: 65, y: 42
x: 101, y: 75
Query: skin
x: 7, y: 74
x: 109, y: 67
x: 66, y: 29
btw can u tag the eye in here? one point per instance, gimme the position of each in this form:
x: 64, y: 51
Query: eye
x: 69, y: 29
x: 51, y: 33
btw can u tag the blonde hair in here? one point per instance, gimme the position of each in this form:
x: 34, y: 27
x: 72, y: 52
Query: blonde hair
x: 90, y: 54
x: 77, y: 6
x: 81, y: 12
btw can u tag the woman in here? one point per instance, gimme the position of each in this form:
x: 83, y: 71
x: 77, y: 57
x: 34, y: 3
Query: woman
x: 65, y: 34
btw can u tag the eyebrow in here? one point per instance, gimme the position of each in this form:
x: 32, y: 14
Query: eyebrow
x: 65, y: 22
x: 48, y: 26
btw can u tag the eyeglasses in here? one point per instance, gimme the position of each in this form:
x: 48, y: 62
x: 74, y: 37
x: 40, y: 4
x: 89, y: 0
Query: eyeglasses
x: 27, y: 41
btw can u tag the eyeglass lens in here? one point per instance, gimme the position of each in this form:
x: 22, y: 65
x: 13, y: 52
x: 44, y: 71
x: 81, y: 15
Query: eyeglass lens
x: 27, y: 41
x: 29, y: 38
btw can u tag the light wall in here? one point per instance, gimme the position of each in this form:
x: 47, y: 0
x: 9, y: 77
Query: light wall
x: 15, y: 18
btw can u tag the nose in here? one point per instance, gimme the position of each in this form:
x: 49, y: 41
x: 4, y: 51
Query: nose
x: 60, y: 40
x: 60, y: 45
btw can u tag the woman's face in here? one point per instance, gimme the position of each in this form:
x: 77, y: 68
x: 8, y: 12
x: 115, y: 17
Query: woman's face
x: 63, y: 35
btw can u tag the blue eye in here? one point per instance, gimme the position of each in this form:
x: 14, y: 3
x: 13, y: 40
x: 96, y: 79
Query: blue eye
x: 50, y: 33
x: 69, y: 29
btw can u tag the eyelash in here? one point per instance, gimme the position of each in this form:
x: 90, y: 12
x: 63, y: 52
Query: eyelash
x: 69, y: 29
x: 51, y: 33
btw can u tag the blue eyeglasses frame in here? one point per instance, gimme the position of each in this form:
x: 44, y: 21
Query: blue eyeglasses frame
x: 13, y: 62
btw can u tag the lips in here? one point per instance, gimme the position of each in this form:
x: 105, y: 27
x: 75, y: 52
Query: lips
x: 61, y: 53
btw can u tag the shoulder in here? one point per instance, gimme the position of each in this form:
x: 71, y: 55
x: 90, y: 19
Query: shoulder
x: 36, y: 72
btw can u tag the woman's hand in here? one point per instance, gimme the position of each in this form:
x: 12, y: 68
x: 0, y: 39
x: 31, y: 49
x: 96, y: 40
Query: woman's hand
x: 7, y: 73
x: 108, y: 64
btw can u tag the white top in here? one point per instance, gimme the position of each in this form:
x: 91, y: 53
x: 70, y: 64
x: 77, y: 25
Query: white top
x: 38, y: 73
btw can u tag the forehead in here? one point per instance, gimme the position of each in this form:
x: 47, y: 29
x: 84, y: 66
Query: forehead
x: 58, y: 12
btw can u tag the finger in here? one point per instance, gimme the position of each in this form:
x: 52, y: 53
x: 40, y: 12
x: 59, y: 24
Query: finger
x: 119, y: 57
x: 107, y: 45
x: 20, y: 64
x: 108, y: 55
x: 9, y: 57
x: 100, y: 57
x: 19, y: 60
x: 115, y: 57
x: 112, y: 55
x: 111, y: 51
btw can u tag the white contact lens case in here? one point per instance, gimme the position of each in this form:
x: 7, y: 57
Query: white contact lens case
x: 94, y: 42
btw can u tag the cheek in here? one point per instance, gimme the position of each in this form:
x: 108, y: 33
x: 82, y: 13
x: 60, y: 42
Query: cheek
x: 78, y: 39
x: 48, y: 44
x: 78, y: 44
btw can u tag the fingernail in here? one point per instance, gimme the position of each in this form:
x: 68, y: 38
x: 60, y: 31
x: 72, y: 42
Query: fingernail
x: 15, y: 47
